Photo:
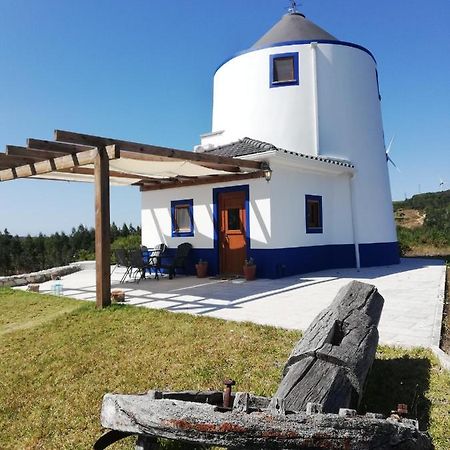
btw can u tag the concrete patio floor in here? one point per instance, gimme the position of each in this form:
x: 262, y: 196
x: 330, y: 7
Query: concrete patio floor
x: 413, y: 293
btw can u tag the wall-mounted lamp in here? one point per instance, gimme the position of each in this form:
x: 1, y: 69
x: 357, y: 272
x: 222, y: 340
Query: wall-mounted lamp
x: 267, y: 171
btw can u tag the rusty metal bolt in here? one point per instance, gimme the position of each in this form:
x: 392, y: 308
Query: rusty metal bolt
x: 313, y: 408
x: 227, y: 392
x: 346, y: 412
x: 413, y: 423
x: 372, y: 415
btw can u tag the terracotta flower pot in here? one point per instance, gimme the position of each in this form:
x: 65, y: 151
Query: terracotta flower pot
x: 250, y: 272
x: 202, y: 269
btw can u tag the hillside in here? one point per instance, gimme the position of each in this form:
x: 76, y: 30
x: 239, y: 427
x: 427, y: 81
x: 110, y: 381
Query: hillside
x: 423, y: 224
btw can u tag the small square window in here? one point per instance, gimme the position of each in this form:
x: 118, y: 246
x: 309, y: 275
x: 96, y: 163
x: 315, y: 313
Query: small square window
x: 284, y: 69
x: 182, y: 218
x: 313, y: 212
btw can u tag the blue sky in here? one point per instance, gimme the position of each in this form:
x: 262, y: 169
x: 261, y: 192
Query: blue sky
x: 142, y: 70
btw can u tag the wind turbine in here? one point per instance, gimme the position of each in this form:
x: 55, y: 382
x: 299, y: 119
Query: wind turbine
x: 388, y: 158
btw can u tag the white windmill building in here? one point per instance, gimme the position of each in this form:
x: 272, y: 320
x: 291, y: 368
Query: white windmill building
x: 309, y: 105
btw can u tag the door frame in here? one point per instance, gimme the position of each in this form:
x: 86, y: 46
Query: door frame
x: 216, y: 191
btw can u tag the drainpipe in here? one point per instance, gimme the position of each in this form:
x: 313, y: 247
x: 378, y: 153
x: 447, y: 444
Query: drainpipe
x: 313, y: 46
x: 354, y: 220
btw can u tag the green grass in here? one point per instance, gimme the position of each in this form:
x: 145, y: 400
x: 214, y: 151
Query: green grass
x: 56, y: 370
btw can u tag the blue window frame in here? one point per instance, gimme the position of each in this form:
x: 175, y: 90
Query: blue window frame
x: 182, y: 212
x: 313, y: 214
x: 284, y: 70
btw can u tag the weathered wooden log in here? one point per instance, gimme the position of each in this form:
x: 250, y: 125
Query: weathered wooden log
x: 204, y: 424
x: 329, y: 365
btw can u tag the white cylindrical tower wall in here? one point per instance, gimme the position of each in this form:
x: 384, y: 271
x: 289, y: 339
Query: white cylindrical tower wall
x: 338, y: 94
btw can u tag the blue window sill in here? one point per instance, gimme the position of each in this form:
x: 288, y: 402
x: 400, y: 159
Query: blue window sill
x: 182, y: 234
x: 314, y: 230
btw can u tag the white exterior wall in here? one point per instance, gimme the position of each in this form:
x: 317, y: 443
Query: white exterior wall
x: 277, y: 210
x: 289, y: 186
x: 157, y: 222
x: 348, y: 119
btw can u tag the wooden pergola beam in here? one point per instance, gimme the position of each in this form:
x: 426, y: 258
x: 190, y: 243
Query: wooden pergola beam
x: 15, y: 161
x: 11, y: 150
x: 52, y: 165
x: 15, y: 150
x: 39, y: 144
x: 127, y: 148
x: 210, y: 179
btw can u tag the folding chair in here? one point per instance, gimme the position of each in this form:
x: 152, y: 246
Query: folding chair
x: 122, y: 260
x: 137, y: 264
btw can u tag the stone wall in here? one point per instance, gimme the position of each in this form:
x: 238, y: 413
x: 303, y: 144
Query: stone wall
x: 38, y: 277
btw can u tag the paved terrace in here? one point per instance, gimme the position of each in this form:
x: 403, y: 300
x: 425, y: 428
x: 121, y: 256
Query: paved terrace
x: 413, y: 293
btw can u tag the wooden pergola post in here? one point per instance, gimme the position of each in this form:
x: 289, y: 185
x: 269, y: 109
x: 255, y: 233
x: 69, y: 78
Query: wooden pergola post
x: 102, y: 229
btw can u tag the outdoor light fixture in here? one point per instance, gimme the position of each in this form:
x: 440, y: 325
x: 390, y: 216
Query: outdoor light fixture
x: 267, y: 171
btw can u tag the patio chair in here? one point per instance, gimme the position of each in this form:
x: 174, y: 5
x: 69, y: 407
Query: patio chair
x: 122, y: 260
x: 137, y: 265
x: 180, y: 259
x: 154, y: 259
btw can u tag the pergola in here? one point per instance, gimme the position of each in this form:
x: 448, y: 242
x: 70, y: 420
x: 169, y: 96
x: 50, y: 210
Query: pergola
x: 104, y: 161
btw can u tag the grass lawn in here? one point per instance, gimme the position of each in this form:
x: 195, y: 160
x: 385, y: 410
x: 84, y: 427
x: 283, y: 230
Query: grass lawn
x: 58, y: 358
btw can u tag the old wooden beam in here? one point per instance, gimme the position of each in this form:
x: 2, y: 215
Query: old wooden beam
x: 329, y: 365
x: 210, y: 179
x: 102, y: 229
x: 144, y: 149
x: 206, y: 425
x: 53, y: 165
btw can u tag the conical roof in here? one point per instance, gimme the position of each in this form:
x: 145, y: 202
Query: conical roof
x: 293, y: 27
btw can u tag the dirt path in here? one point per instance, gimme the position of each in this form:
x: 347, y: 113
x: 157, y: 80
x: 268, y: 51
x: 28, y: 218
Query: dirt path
x: 11, y: 327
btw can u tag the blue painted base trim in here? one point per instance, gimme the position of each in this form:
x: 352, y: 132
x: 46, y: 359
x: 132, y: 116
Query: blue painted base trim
x: 283, y: 262
x: 380, y: 254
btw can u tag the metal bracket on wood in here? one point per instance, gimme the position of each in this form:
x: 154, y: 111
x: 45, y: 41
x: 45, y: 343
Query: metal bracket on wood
x: 110, y: 438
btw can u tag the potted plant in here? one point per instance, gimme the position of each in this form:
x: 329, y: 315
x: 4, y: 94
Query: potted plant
x: 202, y: 269
x: 249, y: 269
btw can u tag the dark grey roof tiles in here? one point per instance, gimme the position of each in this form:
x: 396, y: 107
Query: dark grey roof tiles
x: 248, y: 146
x: 293, y: 27
x: 243, y: 147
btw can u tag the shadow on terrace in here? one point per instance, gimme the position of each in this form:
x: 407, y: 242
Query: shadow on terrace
x: 207, y: 296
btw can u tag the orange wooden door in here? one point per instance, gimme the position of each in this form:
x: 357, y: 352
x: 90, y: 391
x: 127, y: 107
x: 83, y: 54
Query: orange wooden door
x: 232, y: 243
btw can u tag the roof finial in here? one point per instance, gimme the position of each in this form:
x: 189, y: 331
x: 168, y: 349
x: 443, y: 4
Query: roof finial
x: 293, y: 8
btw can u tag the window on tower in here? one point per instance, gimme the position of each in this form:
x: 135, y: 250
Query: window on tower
x: 284, y: 69
x: 313, y: 212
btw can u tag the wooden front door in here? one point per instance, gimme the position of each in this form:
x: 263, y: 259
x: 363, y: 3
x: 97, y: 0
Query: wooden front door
x: 232, y: 232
